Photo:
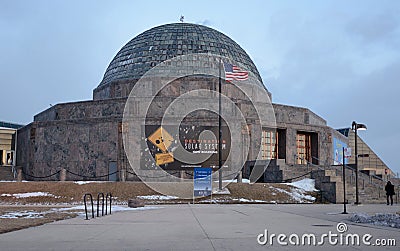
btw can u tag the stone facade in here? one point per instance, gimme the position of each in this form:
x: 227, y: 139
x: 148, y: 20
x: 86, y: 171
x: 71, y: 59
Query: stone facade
x: 84, y: 137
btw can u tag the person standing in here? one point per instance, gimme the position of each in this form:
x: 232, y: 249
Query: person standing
x: 389, y: 188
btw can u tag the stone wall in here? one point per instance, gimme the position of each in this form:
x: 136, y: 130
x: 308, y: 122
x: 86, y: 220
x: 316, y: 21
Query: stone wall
x: 83, y: 110
x: 82, y: 147
x: 296, y: 115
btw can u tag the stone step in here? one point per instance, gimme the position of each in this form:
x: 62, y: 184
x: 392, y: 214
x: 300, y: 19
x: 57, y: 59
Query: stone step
x: 6, y: 173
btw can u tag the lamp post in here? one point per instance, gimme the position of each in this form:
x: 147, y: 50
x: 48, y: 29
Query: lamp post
x: 344, y: 182
x: 355, y: 126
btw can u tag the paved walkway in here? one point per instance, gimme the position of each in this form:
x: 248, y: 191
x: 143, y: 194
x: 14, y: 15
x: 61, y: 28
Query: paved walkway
x: 199, y: 227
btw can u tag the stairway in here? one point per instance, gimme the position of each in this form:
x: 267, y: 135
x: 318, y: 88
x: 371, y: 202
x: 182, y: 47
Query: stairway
x: 6, y: 173
x: 370, y: 188
x: 329, y: 180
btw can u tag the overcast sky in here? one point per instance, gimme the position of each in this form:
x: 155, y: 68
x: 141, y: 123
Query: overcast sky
x: 340, y: 59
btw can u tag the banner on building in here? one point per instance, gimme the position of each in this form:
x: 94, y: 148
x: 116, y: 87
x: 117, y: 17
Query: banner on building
x: 338, y: 152
x: 160, y: 147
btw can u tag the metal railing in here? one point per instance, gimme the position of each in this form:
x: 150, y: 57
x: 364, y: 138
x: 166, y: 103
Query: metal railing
x: 308, y: 163
x: 14, y: 172
x: 329, y: 166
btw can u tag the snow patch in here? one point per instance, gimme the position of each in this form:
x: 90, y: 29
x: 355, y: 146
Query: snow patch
x: 27, y: 195
x: 235, y: 181
x: 22, y: 214
x: 297, y: 194
x: 298, y: 190
x: 221, y: 200
x: 157, y: 197
x: 387, y: 220
x: 13, y: 181
x: 306, y: 184
x: 87, y: 182
x: 115, y: 208
x: 247, y: 200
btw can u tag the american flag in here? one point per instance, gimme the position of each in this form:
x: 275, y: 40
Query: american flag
x: 232, y: 72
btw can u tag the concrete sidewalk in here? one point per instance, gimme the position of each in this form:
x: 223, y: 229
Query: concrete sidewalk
x: 199, y: 227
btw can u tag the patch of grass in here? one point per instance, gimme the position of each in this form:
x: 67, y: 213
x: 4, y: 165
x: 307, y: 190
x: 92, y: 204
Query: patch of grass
x: 72, y: 193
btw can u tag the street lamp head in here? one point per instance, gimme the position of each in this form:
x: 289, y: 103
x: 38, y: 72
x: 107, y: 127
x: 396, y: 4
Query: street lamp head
x: 361, y: 127
x: 356, y: 126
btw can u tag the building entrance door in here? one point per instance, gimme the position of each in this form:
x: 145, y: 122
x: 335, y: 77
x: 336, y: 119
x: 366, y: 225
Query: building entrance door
x: 112, y: 171
x: 303, y: 148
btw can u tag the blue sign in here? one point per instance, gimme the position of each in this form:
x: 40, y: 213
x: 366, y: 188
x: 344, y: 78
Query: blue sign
x: 202, y: 181
x: 338, y: 151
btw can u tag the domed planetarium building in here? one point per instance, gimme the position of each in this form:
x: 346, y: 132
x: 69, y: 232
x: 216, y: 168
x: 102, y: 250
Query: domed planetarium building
x: 86, y: 140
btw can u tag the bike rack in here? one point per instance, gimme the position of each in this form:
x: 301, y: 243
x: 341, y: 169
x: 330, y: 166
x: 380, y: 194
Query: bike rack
x: 99, y: 196
x: 108, y: 195
x: 102, y: 204
x: 91, y: 202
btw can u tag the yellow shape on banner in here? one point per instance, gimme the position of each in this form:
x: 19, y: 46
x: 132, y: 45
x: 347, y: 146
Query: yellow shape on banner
x: 164, y: 158
x: 161, y: 139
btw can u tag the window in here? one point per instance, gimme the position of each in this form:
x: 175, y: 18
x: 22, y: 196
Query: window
x: 269, y: 149
x: 303, y: 148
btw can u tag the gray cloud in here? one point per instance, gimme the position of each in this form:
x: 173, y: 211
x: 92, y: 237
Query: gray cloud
x: 375, y: 28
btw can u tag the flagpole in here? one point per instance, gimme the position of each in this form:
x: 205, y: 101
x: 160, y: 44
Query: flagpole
x: 219, y: 130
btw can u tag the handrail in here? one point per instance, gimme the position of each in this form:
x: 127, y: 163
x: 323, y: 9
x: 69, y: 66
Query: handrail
x: 294, y: 178
x: 108, y: 195
x: 346, y: 165
x: 91, y: 202
x: 102, y: 204
x: 14, y: 171
x: 364, y: 175
x: 308, y: 163
x: 319, y: 160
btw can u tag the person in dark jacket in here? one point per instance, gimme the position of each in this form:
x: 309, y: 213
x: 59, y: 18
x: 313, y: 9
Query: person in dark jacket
x: 389, y: 188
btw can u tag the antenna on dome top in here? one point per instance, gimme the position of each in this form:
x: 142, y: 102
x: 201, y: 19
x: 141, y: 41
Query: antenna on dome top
x: 182, y: 18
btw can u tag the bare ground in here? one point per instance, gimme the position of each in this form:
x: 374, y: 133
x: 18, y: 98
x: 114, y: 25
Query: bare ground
x: 43, y: 216
x: 72, y: 193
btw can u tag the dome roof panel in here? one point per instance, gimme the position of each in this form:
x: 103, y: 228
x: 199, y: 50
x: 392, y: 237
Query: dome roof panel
x: 167, y: 41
